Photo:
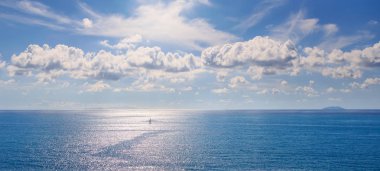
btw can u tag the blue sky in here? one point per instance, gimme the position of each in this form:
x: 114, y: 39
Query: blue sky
x: 189, y: 54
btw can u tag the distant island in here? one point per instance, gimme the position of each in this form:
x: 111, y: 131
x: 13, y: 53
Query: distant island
x: 333, y: 108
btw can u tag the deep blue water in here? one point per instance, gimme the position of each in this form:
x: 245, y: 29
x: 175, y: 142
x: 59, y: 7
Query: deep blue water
x: 190, y: 140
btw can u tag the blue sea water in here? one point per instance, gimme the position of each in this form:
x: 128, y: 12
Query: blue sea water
x: 190, y: 140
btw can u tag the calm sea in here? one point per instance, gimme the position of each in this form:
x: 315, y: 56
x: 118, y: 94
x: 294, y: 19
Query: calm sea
x: 190, y: 140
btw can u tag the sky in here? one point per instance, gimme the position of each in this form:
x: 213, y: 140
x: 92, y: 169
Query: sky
x: 189, y: 54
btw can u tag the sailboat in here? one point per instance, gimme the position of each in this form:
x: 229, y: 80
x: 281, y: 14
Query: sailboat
x: 150, y: 120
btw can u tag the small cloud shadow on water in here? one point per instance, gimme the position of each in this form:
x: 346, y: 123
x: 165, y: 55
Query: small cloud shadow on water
x: 121, y: 149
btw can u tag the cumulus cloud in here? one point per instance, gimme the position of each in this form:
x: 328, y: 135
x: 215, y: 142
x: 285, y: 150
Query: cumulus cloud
x: 340, y: 64
x: 51, y: 62
x: 154, y: 58
x: 237, y: 81
x: 342, y: 72
x: 260, y: 55
x: 370, y: 81
x: 366, y: 83
x: 371, y: 55
x: 307, y: 90
x: 87, y: 23
x: 261, y: 51
x: 239, y: 62
x: 264, y: 56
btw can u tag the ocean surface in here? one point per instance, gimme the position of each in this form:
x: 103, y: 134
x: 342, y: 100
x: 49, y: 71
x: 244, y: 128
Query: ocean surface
x: 190, y: 140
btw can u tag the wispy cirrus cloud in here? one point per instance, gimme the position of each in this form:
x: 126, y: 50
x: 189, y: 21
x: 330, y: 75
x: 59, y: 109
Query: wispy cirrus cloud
x: 160, y: 22
x: 298, y: 26
x: 338, y: 42
x: 259, y: 12
x: 36, y: 8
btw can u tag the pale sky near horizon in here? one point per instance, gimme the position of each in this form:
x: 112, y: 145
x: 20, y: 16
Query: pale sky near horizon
x: 189, y: 54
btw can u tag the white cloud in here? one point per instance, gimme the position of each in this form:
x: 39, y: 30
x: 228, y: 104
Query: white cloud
x: 159, y: 22
x: 31, y: 21
x: 338, y: 42
x: 330, y: 90
x: 220, y: 91
x: 221, y: 75
x: 313, y: 57
x: 342, y: 72
x: 87, y: 23
x: 237, y: 81
x: 345, y: 90
x: 330, y: 29
x: 340, y: 64
x: 373, y: 22
x: 7, y: 82
x: 334, y: 99
x: 263, y: 91
x: 126, y: 43
x: 256, y: 72
x: 342, y: 90
x: 151, y: 69
x: 260, y: 55
x: 370, y: 81
x: 263, y: 56
x: 37, y: 14
x: 50, y: 62
x: 46, y: 77
x: 261, y: 10
x: 366, y: 83
x: 97, y: 87
x: 36, y: 8
x: 187, y: 88
x: 283, y: 83
x: 307, y: 90
x: 371, y: 55
x: 146, y: 85
x: 154, y: 58
x: 296, y: 27
x: 2, y: 63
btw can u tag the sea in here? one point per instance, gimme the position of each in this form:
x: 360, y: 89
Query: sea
x: 190, y: 140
